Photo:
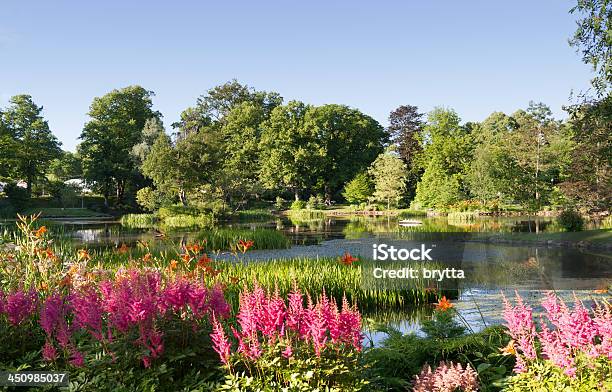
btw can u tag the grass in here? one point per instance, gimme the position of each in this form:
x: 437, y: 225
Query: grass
x: 139, y: 221
x: 53, y: 212
x: 305, y: 215
x: 318, y: 275
x: 225, y: 238
x: 256, y: 215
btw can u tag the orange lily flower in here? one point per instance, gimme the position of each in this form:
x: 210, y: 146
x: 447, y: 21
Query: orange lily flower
x: 243, y: 245
x: 83, y: 254
x: 41, y: 231
x: 173, y: 265
x: 186, y: 258
x: 443, y: 304
x: 509, y: 349
x: 146, y: 258
x: 123, y: 248
x: 204, y: 261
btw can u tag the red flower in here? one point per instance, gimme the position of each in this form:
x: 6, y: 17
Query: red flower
x: 347, y: 259
x: 243, y: 245
x: 443, y: 304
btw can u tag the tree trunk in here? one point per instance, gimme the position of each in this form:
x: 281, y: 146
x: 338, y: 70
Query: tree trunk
x: 297, y: 195
x: 183, y: 197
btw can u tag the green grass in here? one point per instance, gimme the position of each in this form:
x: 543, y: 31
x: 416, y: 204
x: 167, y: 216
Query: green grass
x: 317, y: 275
x: 139, y: 221
x: 225, y: 238
x: 305, y: 215
x: 255, y: 215
x: 52, y: 212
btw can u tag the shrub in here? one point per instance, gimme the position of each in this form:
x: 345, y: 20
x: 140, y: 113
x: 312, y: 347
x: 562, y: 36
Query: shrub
x: 280, y: 346
x: 148, y: 199
x: 359, y: 189
x: 298, y: 205
x: 570, y: 220
x: 279, y: 203
x: 18, y: 196
x: 66, y: 195
x: 315, y: 202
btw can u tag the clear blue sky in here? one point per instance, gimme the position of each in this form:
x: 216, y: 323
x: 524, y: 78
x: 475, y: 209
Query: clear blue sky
x: 473, y: 56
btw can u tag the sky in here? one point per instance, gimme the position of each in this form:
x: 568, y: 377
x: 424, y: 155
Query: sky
x: 475, y: 57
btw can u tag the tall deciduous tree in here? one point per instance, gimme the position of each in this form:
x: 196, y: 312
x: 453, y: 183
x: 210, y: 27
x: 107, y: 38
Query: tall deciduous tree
x: 26, y: 139
x: 348, y: 141
x: 152, y: 129
x: 115, y: 127
x: 389, y: 174
x: 359, y: 189
x: 593, y: 38
x: 289, y: 152
x: 447, y: 154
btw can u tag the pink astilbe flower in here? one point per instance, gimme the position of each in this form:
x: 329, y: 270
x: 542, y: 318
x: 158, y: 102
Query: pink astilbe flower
x: 519, y: 319
x: 77, y: 359
x: 87, y: 310
x: 447, y: 377
x: 574, y: 331
x: 220, y: 341
x: 49, y: 352
x: 20, y: 305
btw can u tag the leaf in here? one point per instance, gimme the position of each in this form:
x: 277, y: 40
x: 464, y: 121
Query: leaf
x: 482, y: 367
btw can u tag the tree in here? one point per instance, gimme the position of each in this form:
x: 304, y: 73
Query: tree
x: 152, y: 129
x: 177, y: 170
x: 389, y: 174
x: 115, y: 127
x: 25, y: 136
x: 359, y: 189
x: 405, y: 125
x: 590, y: 175
x: 594, y: 40
x: 446, y: 157
x: 348, y: 142
x: 67, y: 166
x: 290, y: 154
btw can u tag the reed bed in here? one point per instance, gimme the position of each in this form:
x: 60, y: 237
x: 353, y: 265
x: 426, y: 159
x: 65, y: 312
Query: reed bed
x: 226, y: 238
x: 257, y: 215
x: 327, y: 275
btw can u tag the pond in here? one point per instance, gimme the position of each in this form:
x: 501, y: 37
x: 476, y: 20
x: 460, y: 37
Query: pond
x: 490, y: 267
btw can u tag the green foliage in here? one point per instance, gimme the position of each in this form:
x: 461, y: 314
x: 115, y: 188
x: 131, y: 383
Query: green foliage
x: 141, y: 221
x: 115, y: 127
x: 333, y: 371
x: 543, y: 376
x: 17, y: 196
x: 66, y: 195
x: 446, y: 156
x: 298, y: 205
x: 359, y: 189
x: 153, y: 128
x: 570, y: 220
x: 315, y: 202
x: 400, y: 357
x: 256, y: 215
x: 389, y: 174
x: 592, y: 38
x: 442, y: 325
x: 227, y: 238
x: 148, y: 199
x: 27, y: 145
x: 66, y: 167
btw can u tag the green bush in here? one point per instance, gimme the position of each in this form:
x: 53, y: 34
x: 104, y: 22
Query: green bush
x: 570, y: 220
x: 298, y: 205
x: 148, y: 199
x: 544, y: 376
x: 279, y: 203
x: 315, y: 203
x: 18, y: 196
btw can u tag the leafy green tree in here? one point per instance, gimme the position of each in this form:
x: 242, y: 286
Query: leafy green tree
x: 594, y: 40
x: 115, y: 127
x: 67, y: 166
x: 589, y: 182
x: 26, y: 140
x: 348, y: 142
x: 179, y: 169
x: 359, y: 189
x: 446, y: 158
x: 389, y: 174
x: 290, y: 154
x: 152, y: 129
